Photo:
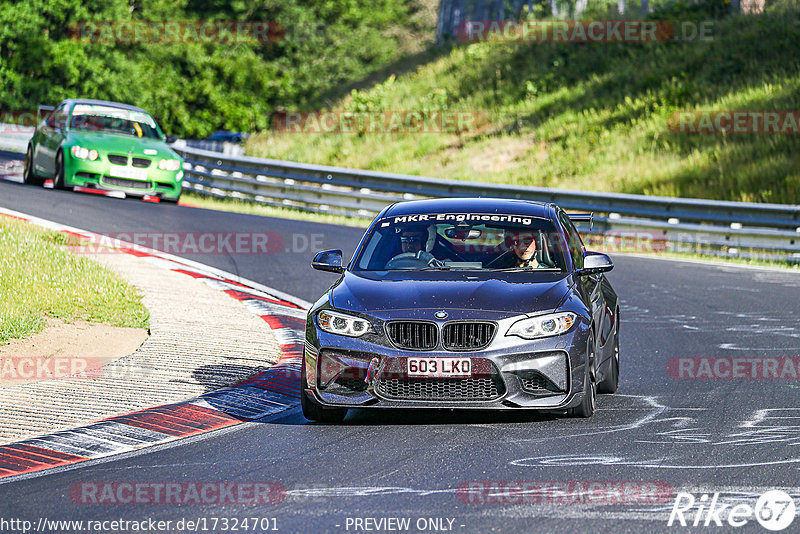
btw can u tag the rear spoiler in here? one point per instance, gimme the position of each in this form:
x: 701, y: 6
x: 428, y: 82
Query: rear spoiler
x: 582, y: 217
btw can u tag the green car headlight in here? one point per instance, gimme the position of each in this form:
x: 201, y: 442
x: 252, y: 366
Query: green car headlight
x: 169, y: 164
x: 84, y: 153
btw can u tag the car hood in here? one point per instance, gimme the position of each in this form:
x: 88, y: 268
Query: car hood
x: 514, y: 293
x: 122, y: 144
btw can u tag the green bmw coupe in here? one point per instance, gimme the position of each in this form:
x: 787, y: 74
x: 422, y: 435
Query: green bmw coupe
x: 104, y: 145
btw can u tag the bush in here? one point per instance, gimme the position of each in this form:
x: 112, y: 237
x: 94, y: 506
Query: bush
x: 196, y: 88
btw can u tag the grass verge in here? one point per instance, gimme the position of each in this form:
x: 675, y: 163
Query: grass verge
x: 39, y: 278
x: 589, y: 116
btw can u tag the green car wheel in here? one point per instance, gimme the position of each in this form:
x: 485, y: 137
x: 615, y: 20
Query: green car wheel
x: 28, y: 176
x: 58, y: 177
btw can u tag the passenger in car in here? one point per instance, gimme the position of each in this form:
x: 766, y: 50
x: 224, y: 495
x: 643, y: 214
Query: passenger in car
x: 523, y: 247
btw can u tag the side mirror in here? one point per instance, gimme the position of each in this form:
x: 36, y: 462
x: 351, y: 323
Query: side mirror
x: 170, y: 139
x: 328, y: 260
x: 595, y: 263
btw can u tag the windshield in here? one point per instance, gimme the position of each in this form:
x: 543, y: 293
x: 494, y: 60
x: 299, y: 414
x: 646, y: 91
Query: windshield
x: 487, y: 242
x: 113, y: 120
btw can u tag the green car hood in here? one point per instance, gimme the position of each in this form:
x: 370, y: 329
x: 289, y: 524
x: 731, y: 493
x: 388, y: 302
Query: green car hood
x: 121, y: 144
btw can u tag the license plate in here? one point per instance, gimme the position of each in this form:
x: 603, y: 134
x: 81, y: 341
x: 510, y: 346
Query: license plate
x: 439, y: 367
x: 128, y: 172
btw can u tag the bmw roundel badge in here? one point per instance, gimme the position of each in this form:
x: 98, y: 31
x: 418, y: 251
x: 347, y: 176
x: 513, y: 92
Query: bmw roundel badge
x: 440, y: 314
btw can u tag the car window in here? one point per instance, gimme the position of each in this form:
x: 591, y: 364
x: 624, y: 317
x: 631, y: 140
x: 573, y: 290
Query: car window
x: 475, y: 242
x: 574, y: 242
x: 60, y: 119
x: 57, y: 118
x: 51, y: 119
x: 113, y: 120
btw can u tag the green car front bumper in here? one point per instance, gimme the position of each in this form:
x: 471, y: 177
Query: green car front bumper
x: 145, y: 179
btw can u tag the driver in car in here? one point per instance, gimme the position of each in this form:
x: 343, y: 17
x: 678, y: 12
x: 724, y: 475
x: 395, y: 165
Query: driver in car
x: 415, y: 242
x: 522, y: 253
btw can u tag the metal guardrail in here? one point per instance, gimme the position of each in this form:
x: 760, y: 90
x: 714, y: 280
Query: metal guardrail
x: 628, y: 222
x: 729, y: 228
x: 226, y: 147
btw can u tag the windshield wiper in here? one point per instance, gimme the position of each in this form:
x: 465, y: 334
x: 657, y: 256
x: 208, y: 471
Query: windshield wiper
x: 442, y: 268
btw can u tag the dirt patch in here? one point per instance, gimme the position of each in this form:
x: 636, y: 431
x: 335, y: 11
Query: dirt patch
x: 65, y: 349
x: 499, y: 154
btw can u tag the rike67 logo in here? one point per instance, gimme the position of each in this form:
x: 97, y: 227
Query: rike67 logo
x: 774, y: 510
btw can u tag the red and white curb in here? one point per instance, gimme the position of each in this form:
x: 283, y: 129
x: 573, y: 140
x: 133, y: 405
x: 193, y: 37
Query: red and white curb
x: 268, y: 392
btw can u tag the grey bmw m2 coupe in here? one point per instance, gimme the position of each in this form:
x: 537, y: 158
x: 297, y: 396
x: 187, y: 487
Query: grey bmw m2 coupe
x: 463, y: 303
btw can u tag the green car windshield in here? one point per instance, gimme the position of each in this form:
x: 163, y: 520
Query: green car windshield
x: 113, y: 120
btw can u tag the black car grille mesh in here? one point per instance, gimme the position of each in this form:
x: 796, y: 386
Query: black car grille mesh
x: 142, y: 163
x: 413, y: 335
x: 446, y: 389
x: 124, y: 182
x: 117, y: 159
x: 534, y: 382
x: 467, y: 336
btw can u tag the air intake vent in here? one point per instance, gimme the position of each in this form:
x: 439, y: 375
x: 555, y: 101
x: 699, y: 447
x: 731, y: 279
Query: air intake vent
x: 439, y: 389
x: 412, y: 335
x: 534, y: 382
x: 117, y: 159
x: 142, y: 163
x: 124, y: 182
x: 467, y: 336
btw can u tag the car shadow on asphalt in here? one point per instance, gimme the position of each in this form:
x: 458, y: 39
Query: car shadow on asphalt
x: 213, y: 377
x: 391, y: 417
x: 443, y: 416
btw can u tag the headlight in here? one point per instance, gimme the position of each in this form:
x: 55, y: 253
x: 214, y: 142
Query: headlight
x: 542, y: 326
x: 169, y: 164
x: 344, y: 325
x: 83, y: 153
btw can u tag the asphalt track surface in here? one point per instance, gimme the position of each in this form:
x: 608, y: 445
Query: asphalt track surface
x: 737, y: 437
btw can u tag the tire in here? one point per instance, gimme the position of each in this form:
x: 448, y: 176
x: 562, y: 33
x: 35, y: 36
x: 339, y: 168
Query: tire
x: 313, y: 411
x: 28, y: 176
x: 611, y: 380
x: 58, y: 177
x: 587, y: 405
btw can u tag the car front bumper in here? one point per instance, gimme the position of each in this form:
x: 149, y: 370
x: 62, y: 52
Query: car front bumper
x: 338, y: 373
x: 98, y: 175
